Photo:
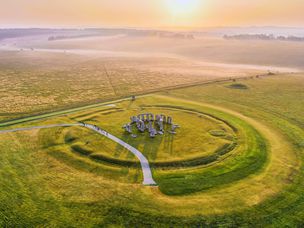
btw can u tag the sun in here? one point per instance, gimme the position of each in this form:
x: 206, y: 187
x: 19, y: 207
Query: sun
x: 182, y: 7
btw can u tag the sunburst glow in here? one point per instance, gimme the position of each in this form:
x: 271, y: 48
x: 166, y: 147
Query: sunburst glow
x: 182, y: 7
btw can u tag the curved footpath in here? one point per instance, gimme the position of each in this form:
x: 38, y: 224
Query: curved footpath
x: 147, y: 174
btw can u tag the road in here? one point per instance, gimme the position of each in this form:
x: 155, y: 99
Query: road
x: 147, y: 174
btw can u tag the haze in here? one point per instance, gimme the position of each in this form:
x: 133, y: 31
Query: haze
x: 156, y: 13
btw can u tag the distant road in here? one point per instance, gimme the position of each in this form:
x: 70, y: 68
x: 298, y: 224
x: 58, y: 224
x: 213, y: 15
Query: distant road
x: 37, y: 127
x: 147, y: 174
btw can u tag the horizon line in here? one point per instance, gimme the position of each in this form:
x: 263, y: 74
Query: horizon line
x: 150, y: 28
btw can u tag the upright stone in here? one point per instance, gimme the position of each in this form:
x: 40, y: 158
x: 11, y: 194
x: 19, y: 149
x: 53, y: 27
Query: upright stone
x: 142, y: 126
x: 169, y: 120
x: 164, y: 119
x: 153, y: 133
x: 129, y: 128
x: 161, y: 125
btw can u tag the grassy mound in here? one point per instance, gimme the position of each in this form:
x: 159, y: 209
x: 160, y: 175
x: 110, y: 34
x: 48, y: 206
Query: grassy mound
x: 249, y: 159
x: 177, y: 170
x: 190, y: 145
x: 81, y: 149
x: 238, y: 86
x: 165, y: 157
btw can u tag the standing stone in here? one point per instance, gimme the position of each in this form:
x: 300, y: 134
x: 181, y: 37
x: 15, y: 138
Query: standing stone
x: 153, y: 133
x: 138, y: 124
x: 154, y: 124
x: 164, y: 119
x: 142, y: 126
x: 150, y: 127
x: 128, y: 128
x: 161, y: 125
x: 133, y: 119
x: 169, y: 120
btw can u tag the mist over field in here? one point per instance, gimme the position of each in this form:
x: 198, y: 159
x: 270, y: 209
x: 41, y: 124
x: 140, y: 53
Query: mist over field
x: 98, y: 64
x: 137, y: 114
x: 205, y: 45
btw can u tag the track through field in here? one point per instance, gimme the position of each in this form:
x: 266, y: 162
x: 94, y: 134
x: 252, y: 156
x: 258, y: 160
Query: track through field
x: 147, y: 174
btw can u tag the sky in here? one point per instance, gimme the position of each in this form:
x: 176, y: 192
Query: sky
x: 150, y: 13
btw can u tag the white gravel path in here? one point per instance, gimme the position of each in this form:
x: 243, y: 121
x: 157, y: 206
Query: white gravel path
x: 147, y: 174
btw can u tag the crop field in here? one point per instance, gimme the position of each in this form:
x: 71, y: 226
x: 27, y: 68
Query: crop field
x: 235, y: 161
x: 35, y: 82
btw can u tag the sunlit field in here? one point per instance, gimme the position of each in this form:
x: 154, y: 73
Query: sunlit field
x: 255, y: 179
x: 32, y: 81
x: 163, y: 113
x: 39, y: 76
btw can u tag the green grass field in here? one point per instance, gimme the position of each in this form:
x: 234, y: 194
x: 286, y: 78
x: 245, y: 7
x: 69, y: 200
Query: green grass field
x: 236, y: 161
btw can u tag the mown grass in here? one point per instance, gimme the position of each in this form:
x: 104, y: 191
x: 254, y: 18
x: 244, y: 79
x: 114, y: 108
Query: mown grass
x: 83, y: 150
x: 250, y: 159
x: 38, y: 189
x: 166, y: 151
x: 192, y: 141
